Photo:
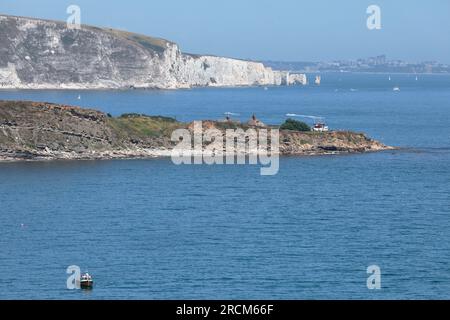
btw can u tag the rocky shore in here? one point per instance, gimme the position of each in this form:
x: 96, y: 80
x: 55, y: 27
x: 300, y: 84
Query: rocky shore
x: 45, y: 131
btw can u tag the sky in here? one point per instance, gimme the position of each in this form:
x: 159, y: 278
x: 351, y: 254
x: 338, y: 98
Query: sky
x: 283, y: 30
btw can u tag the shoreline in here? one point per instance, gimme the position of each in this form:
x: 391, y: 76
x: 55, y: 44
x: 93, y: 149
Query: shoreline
x: 164, y: 154
x: 85, y: 88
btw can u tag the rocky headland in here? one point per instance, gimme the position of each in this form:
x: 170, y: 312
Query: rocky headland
x: 45, y: 131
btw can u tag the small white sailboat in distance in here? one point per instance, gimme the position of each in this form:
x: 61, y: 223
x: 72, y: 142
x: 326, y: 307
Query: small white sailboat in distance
x: 389, y: 78
x: 417, y: 78
x: 79, y: 97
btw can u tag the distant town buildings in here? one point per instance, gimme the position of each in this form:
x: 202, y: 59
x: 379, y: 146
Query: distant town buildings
x: 372, y: 64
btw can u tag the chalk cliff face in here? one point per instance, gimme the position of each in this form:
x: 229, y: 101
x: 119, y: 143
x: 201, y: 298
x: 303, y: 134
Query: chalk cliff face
x: 38, y: 54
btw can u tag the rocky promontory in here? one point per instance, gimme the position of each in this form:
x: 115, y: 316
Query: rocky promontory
x: 39, y: 131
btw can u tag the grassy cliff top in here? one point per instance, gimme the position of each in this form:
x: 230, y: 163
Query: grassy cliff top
x: 138, y: 125
x: 152, y: 43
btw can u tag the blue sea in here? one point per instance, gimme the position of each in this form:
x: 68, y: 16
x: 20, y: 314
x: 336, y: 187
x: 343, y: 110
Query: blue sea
x: 148, y: 229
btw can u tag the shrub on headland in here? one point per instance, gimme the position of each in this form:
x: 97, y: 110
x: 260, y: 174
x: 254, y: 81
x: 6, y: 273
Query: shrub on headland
x: 295, y: 125
x: 140, y: 115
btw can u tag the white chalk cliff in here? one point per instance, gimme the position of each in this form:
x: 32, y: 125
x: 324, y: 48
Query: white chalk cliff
x: 42, y: 54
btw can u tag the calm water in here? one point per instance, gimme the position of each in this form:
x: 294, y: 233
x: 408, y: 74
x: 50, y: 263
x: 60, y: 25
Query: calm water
x: 147, y: 229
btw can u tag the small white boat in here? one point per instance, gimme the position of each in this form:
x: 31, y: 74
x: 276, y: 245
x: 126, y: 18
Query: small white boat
x: 86, y: 281
x: 79, y: 97
x: 396, y: 89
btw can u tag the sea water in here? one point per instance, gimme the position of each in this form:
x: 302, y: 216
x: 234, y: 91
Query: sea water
x: 148, y: 229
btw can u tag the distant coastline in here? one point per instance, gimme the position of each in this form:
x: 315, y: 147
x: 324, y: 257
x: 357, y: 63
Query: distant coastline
x: 379, y: 64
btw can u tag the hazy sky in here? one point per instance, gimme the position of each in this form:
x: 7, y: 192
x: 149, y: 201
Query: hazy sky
x: 289, y: 30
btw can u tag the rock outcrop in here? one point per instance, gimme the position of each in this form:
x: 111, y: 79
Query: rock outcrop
x: 42, y: 54
x: 33, y: 130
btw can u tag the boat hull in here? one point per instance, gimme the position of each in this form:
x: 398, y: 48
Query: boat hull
x: 86, y: 284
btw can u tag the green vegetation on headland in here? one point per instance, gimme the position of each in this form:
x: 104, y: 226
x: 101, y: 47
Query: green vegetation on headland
x: 295, y: 125
x: 132, y: 124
